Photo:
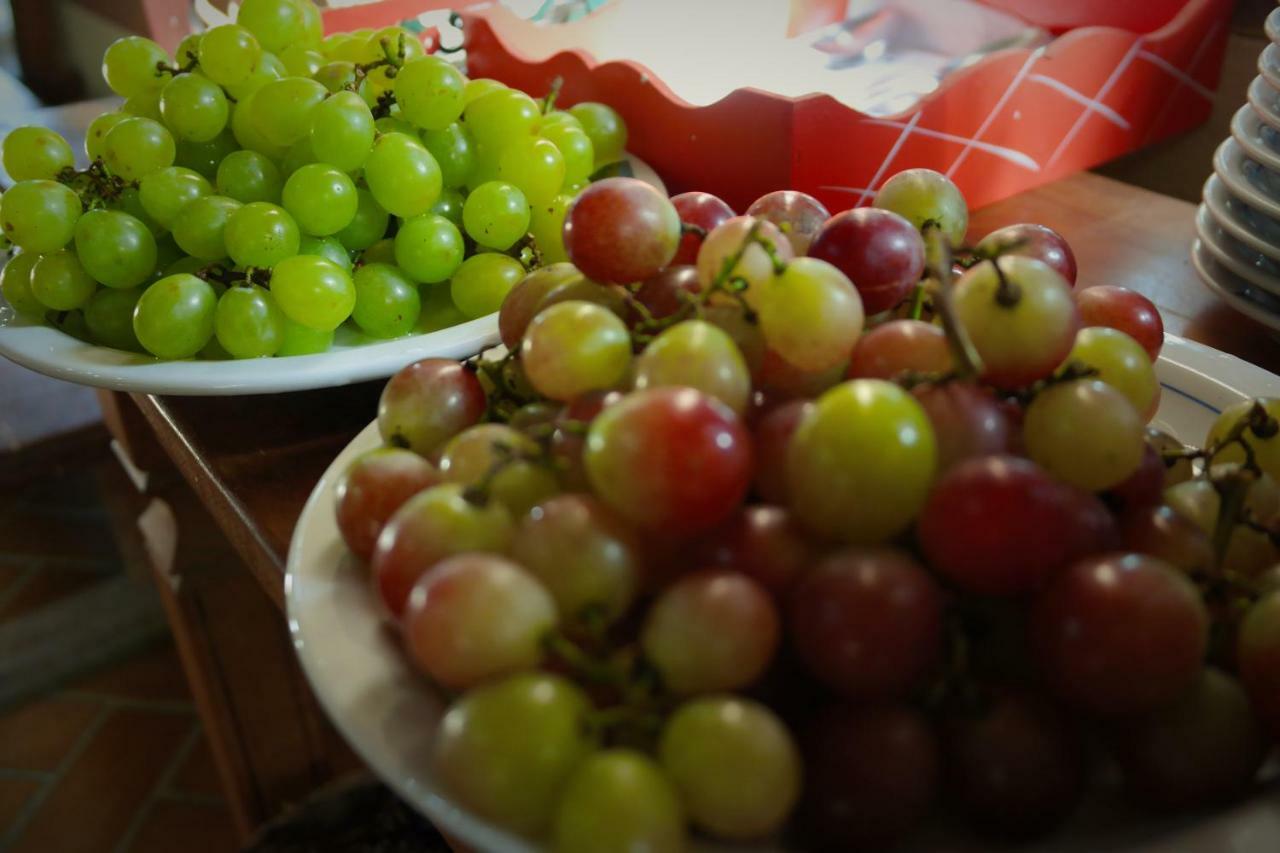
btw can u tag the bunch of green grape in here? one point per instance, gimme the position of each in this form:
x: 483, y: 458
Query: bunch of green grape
x: 269, y: 184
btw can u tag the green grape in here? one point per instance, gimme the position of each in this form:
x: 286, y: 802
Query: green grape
x: 546, y: 224
x: 560, y: 119
x: 297, y: 339
x: 281, y: 109
x: 194, y: 107
x: 395, y: 40
x: 321, y: 199
x: 325, y: 247
x: 247, y: 133
x: 229, y: 54
x: 734, y: 764
x: 109, y: 317
x: 696, y: 354
x: 136, y: 147
x: 1122, y: 363
x: 574, y: 347
x: 377, y: 84
x: 429, y: 92
x: 249, y: 176
x: 1264, y: 445
x: 39, y: 216
x: 213, y: 351
x: 506, y: 748
x: 167, y: 191
x: 429, y: 248
x: 198, y: 228
x: 454, y: 152
x: 32, y: 153
x: 269, y: 69
x: 483, y: 281
x: 535, y: 167
x: 247, y: 322
x: 174, y: 317
x: 923, y: 195
x: 484, y: 166
x: 337, y: 76
x: 299, y: 155
x: 496, y: 215
x: 60, y: 282
x: 501, y: 117
x: 607, y: 130
x: 260, y: 234
x: 96, y: 132
x: 205, y: 157
x: 387, y: 302
x: 146, y: 105
x: 470, y: 456
x: 381, y: 252
x: 438, y: 309
x: 130, y: 66
x: 186, y: 264
x: 395, y: 124
x: 479, y: 87
x: 369, y: 224
x: 130, y: 201
x: 301, y: 61
x: 860, y: 465
x: 312, y: 24
x: 1084, y: 432
x: 274, y: 23
x: 167, y: 254
x: 313, y: 291
x: 336, y: 43
x: 15, y: 284
x: 342, y: 131
x: 450, y: 205
x: 619, y: 800
x: 115, y: 248
x: 188, y: 52
x: 575, y: 149
x: 71, y: 323
x: 402, y: 175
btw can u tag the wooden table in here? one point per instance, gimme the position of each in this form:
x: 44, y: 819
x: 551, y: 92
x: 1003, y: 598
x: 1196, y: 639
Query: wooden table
x: 253, y: 460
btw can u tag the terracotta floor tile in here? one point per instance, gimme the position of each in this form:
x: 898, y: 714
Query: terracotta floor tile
x: 201, y: 829
x: 198, y: 774
x: 45, y: 587
x: 154, y: 675
x: 14, y: 794
x: 92, y: 805
x: 39, y: 735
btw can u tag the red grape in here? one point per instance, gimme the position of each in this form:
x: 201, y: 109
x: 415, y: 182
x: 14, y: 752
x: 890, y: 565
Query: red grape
x: 703, y: 210
x: 1203, y: 748
x: 713, y: 630
x: 755, y: 266
x: 432, y: 525
x: 373, y: 488
x: 871, y: 775
x: 621, y: 230
x: 429, y: 402
x: 667, y: 292
x: 472, y: 456
x: 1119, y: 634
x: 967, y: 420
x: 570, y: 438
x: 530, y: 296
x: 574, y: 347
x: 1000, y: 525
x: 1160, y: 531
x: 764, y: 543
x: 1258, y: 659
x: 1016, y: 766
x: 586, y: 558
x: 475, y: 616
x: 1032, y: 241
x: 669, y: 459
x: 891, y: 349
x: 783, y: 380
x: 867, y: 622
x: 696, y: 354
x: 1123, y: 309
x: 880, y: 252
x: 798, y: 215
x: 772, y: 439
x: 1145, y: 486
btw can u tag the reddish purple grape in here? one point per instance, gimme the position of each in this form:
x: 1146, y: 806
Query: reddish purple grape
x: 880, y: 252
x: 798, y: 215
x: 764, y: 543
x: 1032, y: 241
x: 528, y: 297
x: 1119, y: 634
x: 871, y: 775
x: 1145, y: 486
x: 1000, y: 525
x: 968, y: 421
x: 772, y: 438
x: 429, y: 402
x: 570, y: 436
x: 672, y: 460
x: 373, y: 488
x: 665, y: 293
x: 1015, y: 765
x: 898, y: 346
x: 1163, y: 532
x: 703, y: 210
x: 867, y: 622
x: 783, y: 380
x: 1123, y: 309
x: 621, y: 230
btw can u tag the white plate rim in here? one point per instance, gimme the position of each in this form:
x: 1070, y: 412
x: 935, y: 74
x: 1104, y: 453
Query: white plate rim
x: 1206, y: 264
x: 1204, y: 222
x: 1213, y: 194
x: 1227, y: 163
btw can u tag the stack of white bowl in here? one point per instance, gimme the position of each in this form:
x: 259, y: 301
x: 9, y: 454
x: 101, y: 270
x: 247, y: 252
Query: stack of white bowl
x: 1237, y: 251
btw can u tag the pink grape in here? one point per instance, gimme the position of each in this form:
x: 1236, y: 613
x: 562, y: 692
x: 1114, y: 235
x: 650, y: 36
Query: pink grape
x: 772, y: 440
x: 1032, y: 241
x: 764, y: 543
x: 754, y: 266
x: 880, y: 252
x: 373, y: 488
x: 968, y: 421
x: 529, y: 297
x: 621, y: 230
x: 1123, y: 309
x: 574, y: 347
x: 798, y: 215
x: 665, y: 293
x: 891, y: 349
x: 703, y: 210
x: 427, y: 403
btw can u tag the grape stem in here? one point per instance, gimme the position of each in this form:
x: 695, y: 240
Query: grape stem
x: 391, y: 60
x: 938, y: 266
x: 190, y: 65
x: 553, y: 92
x: 917, y: 301
x: 95, y: 185
x: 1008, y: 293
x: 690, y: 228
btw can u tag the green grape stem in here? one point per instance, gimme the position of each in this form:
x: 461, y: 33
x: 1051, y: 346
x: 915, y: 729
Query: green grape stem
x: 95, y: 185
x: 1008, y: 293
x: 917, y: 301
x: 174, y: 70
x: 938, y: 268
x: 553, y: 92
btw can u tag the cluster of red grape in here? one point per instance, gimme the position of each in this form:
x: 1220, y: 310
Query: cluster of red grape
x: 698, y: 550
